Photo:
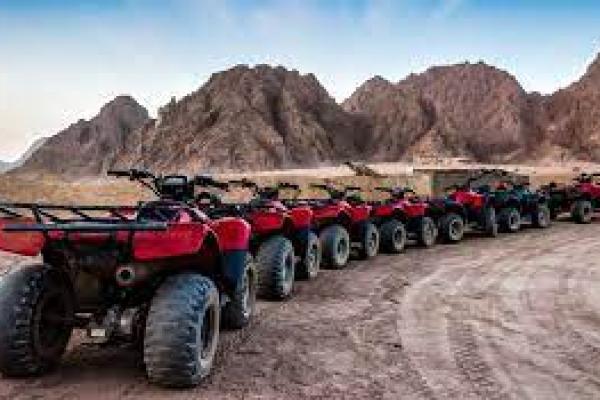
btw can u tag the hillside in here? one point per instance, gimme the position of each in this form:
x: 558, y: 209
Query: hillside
x: 89, y: 147
x: 7, y: 166
x: 247, y: 119
x: 572, y: 117
x: 264, y: 118
x: 469, y: 110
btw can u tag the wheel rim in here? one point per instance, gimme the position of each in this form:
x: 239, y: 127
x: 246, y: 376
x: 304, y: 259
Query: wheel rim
x: 455, y: 228
x: 542, y: 218
x: 207, y: 335
x: 398, y: 237
x: 372, y: 242
x: 514, y: 221
x: 342, y: 247
x: 288, y: 271
x: 52, y: 324
x: 246, y: 303
x: 429, y: 233
x: 312, y: 257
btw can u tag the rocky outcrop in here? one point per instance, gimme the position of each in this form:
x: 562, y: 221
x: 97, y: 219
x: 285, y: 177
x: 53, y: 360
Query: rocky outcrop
x: 248, y: 119
x: 261, y: 118
x: 7, y: 166
x: 89, y: 147
x: 572, y: 117
x: 469, y: 110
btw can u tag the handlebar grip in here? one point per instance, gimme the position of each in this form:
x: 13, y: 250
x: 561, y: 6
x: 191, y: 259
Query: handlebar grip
x: 140, y: 174
x: 206, y: 181
x: 243, y: 183
x: 118, y: 173
x: 319, y: 186
x: 221, y: 185
x: 286, y: 185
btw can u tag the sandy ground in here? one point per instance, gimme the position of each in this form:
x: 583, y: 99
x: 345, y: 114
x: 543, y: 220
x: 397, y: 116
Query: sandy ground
x: 516, y: 317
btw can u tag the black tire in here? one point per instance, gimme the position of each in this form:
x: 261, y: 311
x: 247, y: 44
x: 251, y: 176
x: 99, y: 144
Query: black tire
x: 182, y: 331
x: 490, y: 222
x: 541, y: 217
x: 452, y: 228
x: 276, y: 269
x: 510, y: 220
x: 335, y: 243
x: 393, y: 236
x: 426, y: 232
x: 36, y: 319
x: 310, y: 263
x: 582, y: 212
x: 369, y: 241
x: 238, y: 311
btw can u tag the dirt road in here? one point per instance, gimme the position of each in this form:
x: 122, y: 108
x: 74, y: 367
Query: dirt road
x: 516, y: 317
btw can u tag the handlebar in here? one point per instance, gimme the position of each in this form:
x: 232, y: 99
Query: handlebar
x: 209, y: 181
x: 118, y: 173
x: 245, y: 183
x: 132, y: 174
x: 321, y: 186
x: 287, y: 185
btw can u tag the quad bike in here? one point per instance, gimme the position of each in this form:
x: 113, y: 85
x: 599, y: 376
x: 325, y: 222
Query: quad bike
x: 160, y: 274
x: 465, y: 208
x: 343, y: 223
x: 278, y: 235
x: 581, y: 199
x: 505, y: 202
x: 532, y: 206
x: 401, y: 217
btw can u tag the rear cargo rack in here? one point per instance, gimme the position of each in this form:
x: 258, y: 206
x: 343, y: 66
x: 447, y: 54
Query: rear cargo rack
x: 67, y: 218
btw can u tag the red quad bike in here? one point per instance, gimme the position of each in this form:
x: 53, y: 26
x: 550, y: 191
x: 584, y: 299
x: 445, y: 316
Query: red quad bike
x: 581, y: 199
x: 344, y: 223
x: 401, y: 217
x: 278, y: 235
x: 160, y: 275
x: 466, y: 208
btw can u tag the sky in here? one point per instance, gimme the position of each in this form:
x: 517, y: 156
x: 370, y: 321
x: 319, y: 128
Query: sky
x: 61, y: 60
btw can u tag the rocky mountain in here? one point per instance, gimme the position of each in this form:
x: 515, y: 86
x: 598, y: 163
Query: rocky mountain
x: 261, y: 118
x: 90, y: 147
x: 7, y: 166
x: 470, y: 110
x: 247, y: 119
x: 480, y: 112
x: 572, y: 117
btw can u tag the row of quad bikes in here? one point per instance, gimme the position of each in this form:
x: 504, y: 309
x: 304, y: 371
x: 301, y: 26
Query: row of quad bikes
x: 167, y: 275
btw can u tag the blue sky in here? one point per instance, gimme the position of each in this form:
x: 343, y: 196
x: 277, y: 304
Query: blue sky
x: 61, y: 60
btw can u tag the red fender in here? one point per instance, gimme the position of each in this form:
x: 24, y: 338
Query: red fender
x: 179, y: 239
x: 414, y: 210
x: 384, y: 210
x: 22, y: 243
x: 232, y: 233
x: 302, y: 217
x: 267, y: 221
x: 360, y: 213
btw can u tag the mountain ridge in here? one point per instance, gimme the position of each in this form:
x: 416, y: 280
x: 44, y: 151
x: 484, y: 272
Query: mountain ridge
x: 262, y: 117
